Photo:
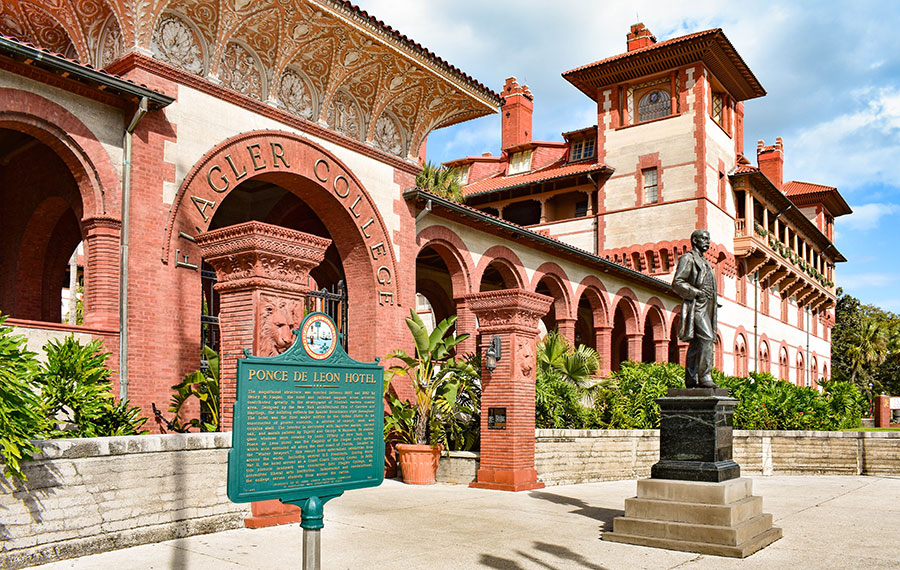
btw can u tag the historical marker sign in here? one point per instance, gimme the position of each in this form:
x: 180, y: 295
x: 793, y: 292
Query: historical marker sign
x: 308, y: 423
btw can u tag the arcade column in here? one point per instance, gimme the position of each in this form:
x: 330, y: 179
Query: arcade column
x: 603, y: 342
x: 507, y: 397
x: 263, y: 278
x: 101, y: 253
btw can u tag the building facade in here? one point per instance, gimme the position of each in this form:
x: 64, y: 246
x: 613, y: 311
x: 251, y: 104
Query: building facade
x: 667, y: 157
x: 135, y: 129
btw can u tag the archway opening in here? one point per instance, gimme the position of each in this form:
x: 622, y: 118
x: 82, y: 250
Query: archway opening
x: 434, y: 285
x: 41, y: 220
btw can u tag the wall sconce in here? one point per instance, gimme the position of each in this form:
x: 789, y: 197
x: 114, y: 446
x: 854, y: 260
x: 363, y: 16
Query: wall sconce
x: 494, y: 354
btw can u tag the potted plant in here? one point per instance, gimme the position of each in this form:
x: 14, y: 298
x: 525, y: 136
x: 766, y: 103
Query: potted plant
x: 417, y: 428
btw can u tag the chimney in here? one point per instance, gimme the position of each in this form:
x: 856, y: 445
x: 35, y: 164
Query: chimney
x: 771, y: 161
x: 639, y: 37
x: 518, y: 105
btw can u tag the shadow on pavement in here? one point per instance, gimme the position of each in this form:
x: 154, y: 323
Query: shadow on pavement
x: 599, y: 514
x: 565, y: 557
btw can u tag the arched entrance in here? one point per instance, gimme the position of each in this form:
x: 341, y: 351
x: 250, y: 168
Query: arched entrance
x: 288, y: 180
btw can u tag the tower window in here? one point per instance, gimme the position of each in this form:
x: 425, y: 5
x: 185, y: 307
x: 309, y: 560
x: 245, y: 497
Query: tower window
x: 718, y: 103
x: 651, y: 185
x: 654, y: 104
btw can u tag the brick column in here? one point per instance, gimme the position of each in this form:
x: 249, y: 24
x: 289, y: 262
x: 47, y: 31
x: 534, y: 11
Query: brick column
x: 102, y: 242
x: 263, y: 277
x: 635, y: 346
x: 465, y: 323
x: 881, y: 409
x: 603, y: 342
x: 507, y: 455
x: 661, y: 350
x: 566, y: 328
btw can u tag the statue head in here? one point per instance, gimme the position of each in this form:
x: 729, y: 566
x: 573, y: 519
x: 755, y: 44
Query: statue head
x: 700, y: 240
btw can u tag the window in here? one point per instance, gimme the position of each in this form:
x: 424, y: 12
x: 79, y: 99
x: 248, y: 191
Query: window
x: 654, y: 104
x: 461, y: 173
x: 581, y: 149
x: 520, y: 162
x: 718, y: 103
x: 651, y: 186
x: 581, y: 209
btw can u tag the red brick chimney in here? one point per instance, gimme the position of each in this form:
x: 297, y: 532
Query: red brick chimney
x: 639, y: 37
x: 518, y: 105
x: 771, y: 161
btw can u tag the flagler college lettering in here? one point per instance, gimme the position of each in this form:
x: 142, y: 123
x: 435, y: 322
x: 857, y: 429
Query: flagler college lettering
x: 225, y: 172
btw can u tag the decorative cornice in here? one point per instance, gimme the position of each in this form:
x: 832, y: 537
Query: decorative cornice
x: 508, y: 309
x: 105, y: 222
x: 254, y: 255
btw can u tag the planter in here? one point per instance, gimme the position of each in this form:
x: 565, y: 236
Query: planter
x: 418, y: 463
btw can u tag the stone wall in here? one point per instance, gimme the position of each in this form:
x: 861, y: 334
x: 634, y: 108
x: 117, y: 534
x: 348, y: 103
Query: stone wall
x: 92, y: 495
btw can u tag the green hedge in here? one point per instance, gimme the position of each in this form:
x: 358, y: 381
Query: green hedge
x: 625, y: 400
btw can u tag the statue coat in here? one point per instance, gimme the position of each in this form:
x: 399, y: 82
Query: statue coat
x: 698, y: 316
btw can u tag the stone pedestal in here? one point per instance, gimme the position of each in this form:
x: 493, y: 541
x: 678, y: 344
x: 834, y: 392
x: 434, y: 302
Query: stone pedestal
x: 695, y: 436
x: 695, y: 500
x: 263, y: 278
x: 507, y: 448
x: 722, y: 519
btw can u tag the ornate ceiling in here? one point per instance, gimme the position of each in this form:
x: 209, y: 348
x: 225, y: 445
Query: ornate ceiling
x: 323, y: 60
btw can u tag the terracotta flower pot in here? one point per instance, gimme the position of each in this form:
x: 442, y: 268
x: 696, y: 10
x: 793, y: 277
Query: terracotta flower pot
x: 418, y: 463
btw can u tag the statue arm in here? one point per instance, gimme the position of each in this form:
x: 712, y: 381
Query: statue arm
x: 681, y: 283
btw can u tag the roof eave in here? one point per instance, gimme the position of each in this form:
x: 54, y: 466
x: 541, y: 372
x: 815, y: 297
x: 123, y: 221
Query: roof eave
x: 59, y: 64
x: 600, y: 168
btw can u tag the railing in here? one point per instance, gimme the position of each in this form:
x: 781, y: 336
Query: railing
x: 740, y: 227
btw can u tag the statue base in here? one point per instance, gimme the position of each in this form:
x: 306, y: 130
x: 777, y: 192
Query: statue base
x: 695, y: 436
x: 722, y: 519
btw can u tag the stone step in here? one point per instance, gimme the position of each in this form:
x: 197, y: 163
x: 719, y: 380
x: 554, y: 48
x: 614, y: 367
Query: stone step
x: 723, y: 493
x: 677, y: 511
x: 689, y: 532
x: 758, y: 542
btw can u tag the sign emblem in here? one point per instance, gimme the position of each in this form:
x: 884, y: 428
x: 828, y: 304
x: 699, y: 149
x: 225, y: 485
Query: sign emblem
x: 319, y: 336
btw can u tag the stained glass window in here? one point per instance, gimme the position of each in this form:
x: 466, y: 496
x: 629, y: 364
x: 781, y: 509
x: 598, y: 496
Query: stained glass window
x: 655, y: 104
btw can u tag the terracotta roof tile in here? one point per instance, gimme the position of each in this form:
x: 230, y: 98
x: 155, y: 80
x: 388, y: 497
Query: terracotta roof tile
x: 645, y: 49
x: 794, y: 188
x: 558, y: 169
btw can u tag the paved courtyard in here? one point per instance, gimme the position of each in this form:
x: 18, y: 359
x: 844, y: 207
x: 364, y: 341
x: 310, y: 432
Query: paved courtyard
x: 828, y: 521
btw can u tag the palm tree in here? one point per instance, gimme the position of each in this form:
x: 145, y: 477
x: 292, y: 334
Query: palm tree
x: 440, y: 181
x: 868, y: 347
x: 576, y: 366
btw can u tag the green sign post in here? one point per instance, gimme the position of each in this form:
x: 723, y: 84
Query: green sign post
x: 308, y: 425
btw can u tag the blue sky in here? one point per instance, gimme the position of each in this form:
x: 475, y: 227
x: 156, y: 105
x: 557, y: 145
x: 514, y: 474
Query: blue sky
x: 831, y: 70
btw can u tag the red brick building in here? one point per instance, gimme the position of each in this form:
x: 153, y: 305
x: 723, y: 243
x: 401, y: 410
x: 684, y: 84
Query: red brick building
x: 667, y: 157
x: 136, y: 128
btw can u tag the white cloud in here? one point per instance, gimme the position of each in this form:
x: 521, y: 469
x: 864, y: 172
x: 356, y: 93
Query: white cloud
x: 867, y: 216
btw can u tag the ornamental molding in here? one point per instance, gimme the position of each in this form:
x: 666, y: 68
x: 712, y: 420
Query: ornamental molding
x: 508, y: 309
x: 254, y: 253
x: 257, y: 48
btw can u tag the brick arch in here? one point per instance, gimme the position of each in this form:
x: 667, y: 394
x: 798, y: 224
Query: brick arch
x: 656, y: 312
x: 51, y: 234
x: 784, y: 361
x: 557, y: 281
x: 741, y: 353
x: 507, y: 262
x: 53, y: 125
x: 631, y: 313
x: 331, y: 190
x: 598, y: 298
x: 455, y: 254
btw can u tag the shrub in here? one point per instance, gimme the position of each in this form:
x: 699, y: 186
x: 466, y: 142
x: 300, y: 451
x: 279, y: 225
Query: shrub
x: 203, y: 385
x: 626, y: 399
x: 20, y: 417
x: 76, y: 393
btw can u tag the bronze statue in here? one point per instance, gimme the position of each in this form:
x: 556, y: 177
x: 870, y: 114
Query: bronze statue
x: 695, y: 282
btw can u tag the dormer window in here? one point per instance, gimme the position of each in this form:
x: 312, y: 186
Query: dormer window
x: 520, y: 162
x: 461, y: 173
x: 581, y: 149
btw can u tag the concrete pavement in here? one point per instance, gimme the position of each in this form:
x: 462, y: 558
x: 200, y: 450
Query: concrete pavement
x: 828, y: 521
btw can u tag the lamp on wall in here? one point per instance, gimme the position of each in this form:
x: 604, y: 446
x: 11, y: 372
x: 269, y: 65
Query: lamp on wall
x: 493, y: 354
